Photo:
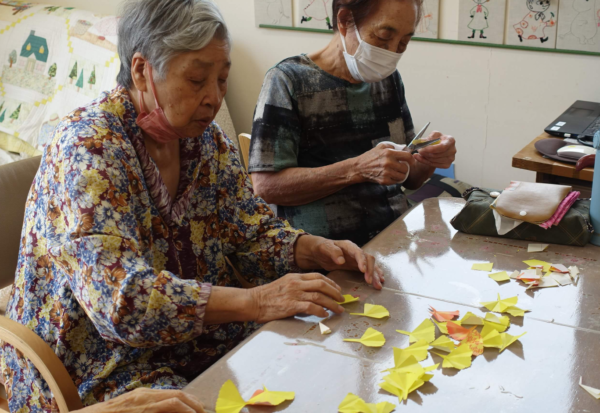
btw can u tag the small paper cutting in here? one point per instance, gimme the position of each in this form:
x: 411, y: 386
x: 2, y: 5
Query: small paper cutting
x: 594, y: 392
x: 348, y: 299
x: 574, y: 273
x: 559, y: 268
x: 471, y: 319
x: 537, y: 247
x: 425, y: 331
x: 499, y: 276
x: 544, y: 282
x: 457, y: 331
x: 442, y: 316
x: 515, y: 274
x: 459, y: 358
x: 374, y: 311
x: 354, y: 404
x: 507, y: 340
x: 483, y: 267
x: 230, y: 400
x: 491, y: 337
x: 443, y: 343
x: 371, y: 338
x: 324, y: 329
x: 562, y: 279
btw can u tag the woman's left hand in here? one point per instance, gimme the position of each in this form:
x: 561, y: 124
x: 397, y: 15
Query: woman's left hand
x: 438, y: 156
x: 317, y: 252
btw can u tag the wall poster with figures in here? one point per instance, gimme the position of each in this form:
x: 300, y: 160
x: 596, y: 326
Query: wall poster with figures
x: 429, y: 23
x: 482, y: 21
x: 315, y: 14
x: 579, y: 26
x: 273, y: 12
x: 532, y: 23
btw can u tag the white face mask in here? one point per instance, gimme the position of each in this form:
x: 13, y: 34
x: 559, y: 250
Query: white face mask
x: 370, y: 63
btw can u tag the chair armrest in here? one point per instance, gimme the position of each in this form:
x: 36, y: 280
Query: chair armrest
x: 45, y: 361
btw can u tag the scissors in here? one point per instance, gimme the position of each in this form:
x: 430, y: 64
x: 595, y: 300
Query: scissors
x: 417, y: 143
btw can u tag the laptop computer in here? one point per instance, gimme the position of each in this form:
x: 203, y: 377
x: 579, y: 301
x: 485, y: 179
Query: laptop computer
x: 580, y: 121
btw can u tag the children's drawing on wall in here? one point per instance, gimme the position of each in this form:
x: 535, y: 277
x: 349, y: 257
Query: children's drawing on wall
x: 579, y: 26
x: 428, y: 26
x: 316, y: 14
x: 273, y: 12
x: 482, y: 21
x: 532, y: 23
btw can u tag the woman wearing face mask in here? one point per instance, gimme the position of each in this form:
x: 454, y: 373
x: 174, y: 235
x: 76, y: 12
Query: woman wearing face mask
x: 138, y: 202
x: 316, y: 152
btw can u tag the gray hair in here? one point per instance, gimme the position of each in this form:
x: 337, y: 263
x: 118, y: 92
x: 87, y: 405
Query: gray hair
x: 162, y: 29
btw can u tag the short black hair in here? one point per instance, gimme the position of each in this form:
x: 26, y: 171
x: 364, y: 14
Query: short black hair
x: 360, y: 10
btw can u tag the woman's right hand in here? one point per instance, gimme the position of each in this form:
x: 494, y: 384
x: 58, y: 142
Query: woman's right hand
x: 144, y: 400
x: 292, y: 294
x: 384, y: 165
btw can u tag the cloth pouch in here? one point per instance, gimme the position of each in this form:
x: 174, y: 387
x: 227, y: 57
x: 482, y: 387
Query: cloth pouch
x: 530, y: 202
x: 477, y: 218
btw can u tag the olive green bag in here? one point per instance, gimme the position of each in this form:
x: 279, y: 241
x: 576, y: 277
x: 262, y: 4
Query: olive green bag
x: 477, y: 218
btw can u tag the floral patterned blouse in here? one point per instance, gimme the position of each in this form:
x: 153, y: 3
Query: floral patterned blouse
x: 114, y: 276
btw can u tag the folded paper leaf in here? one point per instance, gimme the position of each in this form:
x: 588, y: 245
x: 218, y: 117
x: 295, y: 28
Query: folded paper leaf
x: 267, y: 397
x: 537, y: 263
x: 442, y: 327
x: 457, y: 331
x: 537, y: 247
x: 500, y: 305
x: 594, y: 392
x: 507, y: 340
x: 324, y: 329
x: 371, y: 338
x: 443, y: 343
x: 354, y: 404
x: 515, y: 311
x: 459, y: 358
x: 491, y: 337
x: 425, y: 331
x: 348, y: 299
x: 500, y: 276
x: 418, y: 350
x: 408, y: 365
x: 475, y: 342
x: 483, y: 267
x: 374, y: 311
x: 471, y: 319
x: 403, y: 383
x: 500, y: 323
x: 230, y: 400
x: 442, y: 316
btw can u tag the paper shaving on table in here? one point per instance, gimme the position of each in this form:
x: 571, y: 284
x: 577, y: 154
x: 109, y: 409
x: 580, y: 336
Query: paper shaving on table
x: 443, y: 343
x: 507, y: 340
x: 230, y: 400
x: 371, y: 338
x: 459, y: 358
x: 562, y: 279
x: 425, y: 331
x: 354, y: 404
x: 594, y: 392
x: 499, y: 323
x: 544, y: 282
x: 442, y: 316
x: 574, y: 273
x: 374, y: 311
x: 500, y: 305
x: 475, y: 342
x: 537, y: 247
x: 537, y: 263
x: 417, y: 350
x: 499, y: 276
x: 559, y: 268
x: 490, y: 336
x: 457, y: 331
x: 488, y: 266
x: 471, y: 319
x: 529, y: 275
x: 515, y: 274
x: 324, y: 329
x: 348, y: 299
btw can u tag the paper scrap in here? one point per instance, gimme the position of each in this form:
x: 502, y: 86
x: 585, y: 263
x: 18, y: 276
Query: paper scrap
x: 443, y: 343
x: 324, y: 329
x: 418, y: 350
x: 230, y: 400
x: 594, y: 392
x: 529, y: 275
x: 544, y: 282
x: 537, y: 263
x: 374, y: 311
x: 471, y: 319
x: 475, y: 342
x: 537, y: 247
x: 515, y: 274
x: 425, y: 331
x: 354, y: 404
x: 500, y: 305
x: 559, y: 268
x: 371, y: 338
x: 562, y: 279
x: 442, y: 316
x: 490, y: 336
x: 483, y: 267
x: 459, y: 358
x: 507, y: 340
x: 457, y: 331
x: 348, y: 299
x: 499, y: 323
x: 574, y: 273
x: 499, y: 276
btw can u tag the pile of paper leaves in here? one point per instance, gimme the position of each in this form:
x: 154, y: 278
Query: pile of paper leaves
x: 539, y: 274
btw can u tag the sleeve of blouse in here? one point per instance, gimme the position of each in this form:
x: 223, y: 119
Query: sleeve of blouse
x: 95, y: 234
x: 264, y: 244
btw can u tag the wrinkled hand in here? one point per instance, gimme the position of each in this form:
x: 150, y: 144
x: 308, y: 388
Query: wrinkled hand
x: 384, y: 165
x: 294, y: 294
x: 144, y: 400
x: 438, y: 156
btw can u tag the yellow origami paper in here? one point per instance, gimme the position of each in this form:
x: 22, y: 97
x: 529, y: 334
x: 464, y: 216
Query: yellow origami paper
x: 418, y: 350
x: 402, y: 384
x: 500, y: 276
x: 515, y: 311
x: 483, y: 267
x: 498, y: 323
x: 354, y: 404
x: 537, y: 263
x: 230, y: 400
x: 507, y: 340
x: 500, y: 305
x: 459, y: 358
x: 425, y: 331
x: 594, y: 392
x: 348, y: 299
x: 443, y: 343
x: 491, y: 337
x: 374, y: 311
x: 371, y: 338
x: 470, y: 319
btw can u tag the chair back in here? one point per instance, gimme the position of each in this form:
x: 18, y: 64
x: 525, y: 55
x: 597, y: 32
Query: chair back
x: 244, y: 140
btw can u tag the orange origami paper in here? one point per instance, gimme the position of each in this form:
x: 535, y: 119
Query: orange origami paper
x: 458, y: 332
x: 442, y: 316
x: 475, y: 342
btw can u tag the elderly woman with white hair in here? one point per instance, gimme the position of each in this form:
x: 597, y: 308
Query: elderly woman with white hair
x: 138, y: 207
